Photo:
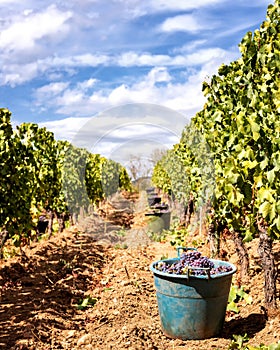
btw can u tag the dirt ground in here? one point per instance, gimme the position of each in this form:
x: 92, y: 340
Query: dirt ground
x: 81, y: 290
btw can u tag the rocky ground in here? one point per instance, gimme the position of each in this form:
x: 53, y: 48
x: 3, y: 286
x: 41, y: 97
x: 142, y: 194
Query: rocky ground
x: 91, y: 288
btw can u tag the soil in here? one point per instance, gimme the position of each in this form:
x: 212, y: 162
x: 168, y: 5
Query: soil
x: 90, y: 287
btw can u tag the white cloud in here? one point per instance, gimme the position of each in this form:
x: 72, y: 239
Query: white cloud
x: 205, y: 55
x: 88, y: 59
x: 182, y: 4
x: 24, y: 34
x: 187, y: 58
x: 139, y: 7
x: 27, y: 12
x: 180, y: 97
x: 131, y: 9
x: 65, y: 129
x: 6, y: 2
x: 235, y: 29
x: 60, y: 94
x: 158, y: 74
x: 71, y: 97
x: 17, y: 73
x: 143, y: 91
x: 189, y: 47
x: 91, y: 55
x: 130, y: 58
x: 186, y: 23
x: 14, y: 74
x: 87, y: 84
x: 158, y: 86
x: 50, y: 90
x: 38, y: 55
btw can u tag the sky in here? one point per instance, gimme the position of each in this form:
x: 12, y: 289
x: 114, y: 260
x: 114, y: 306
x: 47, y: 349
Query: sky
x: 116, y: 76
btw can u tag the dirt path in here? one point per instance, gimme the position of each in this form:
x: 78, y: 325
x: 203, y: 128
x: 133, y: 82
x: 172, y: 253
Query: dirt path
x: 83, y: 291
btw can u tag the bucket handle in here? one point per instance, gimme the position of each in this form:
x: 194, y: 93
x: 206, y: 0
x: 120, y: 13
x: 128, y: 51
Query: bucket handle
x: 206, y: 269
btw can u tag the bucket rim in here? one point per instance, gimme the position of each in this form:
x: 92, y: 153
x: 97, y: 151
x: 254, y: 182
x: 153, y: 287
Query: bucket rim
x: 185, y: 277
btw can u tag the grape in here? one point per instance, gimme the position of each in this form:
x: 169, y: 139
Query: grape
x: 194, y: 264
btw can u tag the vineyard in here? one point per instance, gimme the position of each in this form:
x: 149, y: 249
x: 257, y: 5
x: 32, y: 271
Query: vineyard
x: 77, y: 238
x: 90, y: 287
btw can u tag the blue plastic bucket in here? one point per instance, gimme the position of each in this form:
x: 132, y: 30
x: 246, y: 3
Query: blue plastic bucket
x: 192, y: 307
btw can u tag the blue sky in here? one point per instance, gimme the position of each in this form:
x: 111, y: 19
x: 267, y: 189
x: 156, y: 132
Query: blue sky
x: 63, y: 63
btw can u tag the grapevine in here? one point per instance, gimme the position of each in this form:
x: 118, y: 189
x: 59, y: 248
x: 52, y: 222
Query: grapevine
x: 45, y: 178
x: 240, y: 124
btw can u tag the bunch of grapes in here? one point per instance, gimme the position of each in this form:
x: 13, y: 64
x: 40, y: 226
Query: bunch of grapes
x: 192, y: 263
x: 220, y: 269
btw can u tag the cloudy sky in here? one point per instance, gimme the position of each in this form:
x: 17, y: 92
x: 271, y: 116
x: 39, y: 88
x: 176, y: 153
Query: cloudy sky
x: 64, y: 63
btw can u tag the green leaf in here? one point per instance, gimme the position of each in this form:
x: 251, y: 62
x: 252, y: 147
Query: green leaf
x: 264, y: 209
x: 264, y: 164
x: 232, y: 306
x: 271, y: 176
x: 87, y: 302
x: 275, y: 346
x: 256, y: 135
x: 258, y: 180
x: 247, y: 298
x: 250, y: 164
x: 248, y: 236
x: 265, y: 194
x: 277, y: 222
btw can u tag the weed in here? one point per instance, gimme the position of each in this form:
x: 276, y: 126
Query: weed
x: 235, y: 295
x: 86, y: 302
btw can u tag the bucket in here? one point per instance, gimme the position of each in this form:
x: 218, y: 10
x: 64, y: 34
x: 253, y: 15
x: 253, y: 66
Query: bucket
x: 192, y: 307
x: 153, y: 200
x: 160, y: 220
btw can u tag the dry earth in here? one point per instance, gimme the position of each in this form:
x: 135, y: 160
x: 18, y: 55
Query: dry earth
x: 42, y: 293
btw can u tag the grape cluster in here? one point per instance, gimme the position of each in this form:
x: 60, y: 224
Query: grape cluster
x: 194, y: 264
x: 220, y: 269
